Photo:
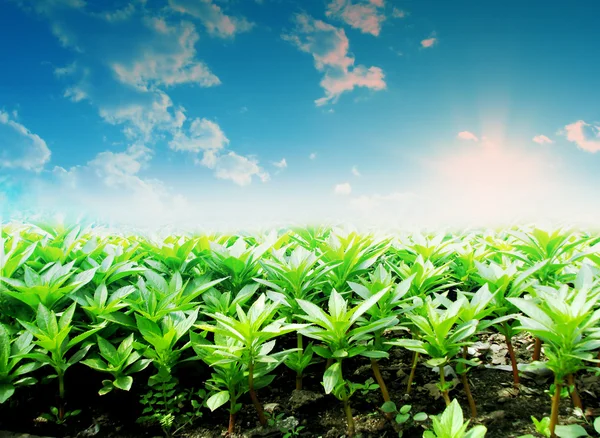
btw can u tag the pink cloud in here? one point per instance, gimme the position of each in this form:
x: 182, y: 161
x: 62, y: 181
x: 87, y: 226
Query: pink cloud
x: 542, y: 139
x: 366, y: 16
x: 329, y: 47
x: 585, y: 135
x: 466, y: 135
x: 217, y: 23
x: 429, y: 42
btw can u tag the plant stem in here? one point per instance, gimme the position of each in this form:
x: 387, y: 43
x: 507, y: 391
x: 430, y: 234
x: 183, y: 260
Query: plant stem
x: 465, y: 382
x: 231, y: 424
x: 349, y: 419
x: 379, y: 378
x: 300, y: 352
x: 255, y: 401
x: 573, y: 391
x: 413, y: 369
x: 443, y: 385
x: 513, y: 359
x: 537, y: 350
x: 61, y: 395
x: 328, y: 363
x: 555, y: 406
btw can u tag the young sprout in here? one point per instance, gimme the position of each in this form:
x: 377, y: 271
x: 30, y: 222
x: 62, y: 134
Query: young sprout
x: 507, y: 282
x: 478, y: 307
x: 441, y: 337
x: 256, y: 331
x: 392, y: 304
x: 565, y: 320
x: 343, y: 338
x: 52, y: 336
x: 119, y: 362
x: 450, y: 424
x: 298, y: 276
x: 352, y: 254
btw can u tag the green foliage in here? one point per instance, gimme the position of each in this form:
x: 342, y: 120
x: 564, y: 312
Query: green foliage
x: 13, y: 369
x: 451, y: 424
x: 119, y: 362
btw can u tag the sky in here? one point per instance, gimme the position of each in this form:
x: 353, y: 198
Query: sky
x: 221, y: 114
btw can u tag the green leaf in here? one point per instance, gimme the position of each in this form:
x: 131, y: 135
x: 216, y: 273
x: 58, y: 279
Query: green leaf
x: 570, y: 431
x: 217, y: 400
x: 388, y: 407
x: 597, y: 424
x: 478, y: 431
x: 332, y: 376
x: 405, y: 409
x: 421, y: 416
x: 4, y: 349
x: 124, y: 383
x: 6, y: 391
x: 402, y: 418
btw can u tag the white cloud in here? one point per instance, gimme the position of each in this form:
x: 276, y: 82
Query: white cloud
x: 19, y: 147
x: 120, y: 169
x: 355, y: 171
x: 238, y: 169
x: 282, y: 164
x: 585, y: 135
x: 398, y: 13
x: 312, y: 156
x: 212, y: 17
x: 467, y: 135
x: 343, y: 189
x: 167, y: 59
x: 329, y: 47
x: 204, y: 135
x: 542, y: 139
x: 364, y: 15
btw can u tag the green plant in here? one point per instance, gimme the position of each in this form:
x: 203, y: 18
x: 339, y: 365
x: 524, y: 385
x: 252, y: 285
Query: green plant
x: 52, y: 336
x: 13, y: 375
x: 392, y: 304
x: 565, y: 320
x: 119, y: 362
x: 450, y: 424
x: 341, y: 339
x: 48, y: 287
x: 255, y: 332
x: 403, y: 418
x: 441, y: 337
x: 297, y: 276
x: 171, y: 407
x: 155, y: 298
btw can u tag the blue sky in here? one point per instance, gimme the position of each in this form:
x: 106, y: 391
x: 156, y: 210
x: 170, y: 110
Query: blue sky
x: 231, y: 113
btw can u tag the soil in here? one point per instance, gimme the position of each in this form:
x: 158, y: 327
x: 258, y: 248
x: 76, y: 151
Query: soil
x: 504, y: 411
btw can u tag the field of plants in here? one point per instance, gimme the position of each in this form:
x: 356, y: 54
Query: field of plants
x: 299, y: 333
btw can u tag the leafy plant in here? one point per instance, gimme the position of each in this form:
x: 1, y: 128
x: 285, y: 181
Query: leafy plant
x: 403, y: 418
x: 119, y: 362
x: 49, y: 287
x: 565, y: 320
x: 441, y: 337
x: 341, y: 339
x: 171, y: 407
x: 451, y: 424
x: 52, y: 336
x: 255, y: 332
x: 12, y: 352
